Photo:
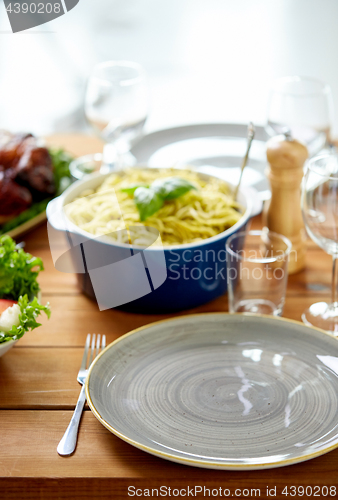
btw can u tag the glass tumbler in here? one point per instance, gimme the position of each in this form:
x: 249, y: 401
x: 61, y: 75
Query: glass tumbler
x: 257, y: 272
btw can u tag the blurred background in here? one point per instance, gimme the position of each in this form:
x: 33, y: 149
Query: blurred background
x: 207, y: 60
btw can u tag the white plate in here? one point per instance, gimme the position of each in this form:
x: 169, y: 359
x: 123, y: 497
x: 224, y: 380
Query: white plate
x: 211, y: 148
x: 221, y: 391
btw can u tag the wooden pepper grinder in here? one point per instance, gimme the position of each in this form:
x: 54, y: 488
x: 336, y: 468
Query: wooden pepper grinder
x: 282, y: 214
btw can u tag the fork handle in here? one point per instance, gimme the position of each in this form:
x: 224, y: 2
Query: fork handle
x: 68, y: 443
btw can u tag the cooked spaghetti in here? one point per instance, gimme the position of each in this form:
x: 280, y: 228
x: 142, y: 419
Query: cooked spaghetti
x: 195, y: 216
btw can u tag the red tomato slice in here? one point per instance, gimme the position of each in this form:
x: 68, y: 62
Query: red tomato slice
x: 5, y: 304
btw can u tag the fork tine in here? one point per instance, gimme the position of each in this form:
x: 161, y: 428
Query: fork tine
x: 103, y: 342
x: 85, y: 353
x: 98, y: 340
x: 92, y: 350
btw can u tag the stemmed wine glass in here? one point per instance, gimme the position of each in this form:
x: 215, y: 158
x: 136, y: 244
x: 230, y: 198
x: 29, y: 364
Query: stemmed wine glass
x: 320, y: 213
x: 116, y: 105
x: 303, y: 107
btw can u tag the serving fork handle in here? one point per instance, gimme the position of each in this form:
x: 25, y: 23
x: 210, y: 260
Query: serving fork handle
x: 68, y: 443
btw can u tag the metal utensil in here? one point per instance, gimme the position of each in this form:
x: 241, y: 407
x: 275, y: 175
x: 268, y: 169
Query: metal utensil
x: 251, y: 135
x: 68, y: 443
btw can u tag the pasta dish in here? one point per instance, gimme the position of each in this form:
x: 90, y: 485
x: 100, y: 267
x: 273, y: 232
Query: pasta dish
x: 203, y: 212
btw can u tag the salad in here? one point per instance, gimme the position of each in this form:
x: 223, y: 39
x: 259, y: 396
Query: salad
x: 19, y: 289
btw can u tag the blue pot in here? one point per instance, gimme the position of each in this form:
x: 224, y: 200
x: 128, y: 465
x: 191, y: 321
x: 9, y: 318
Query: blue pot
x: 196, y: 273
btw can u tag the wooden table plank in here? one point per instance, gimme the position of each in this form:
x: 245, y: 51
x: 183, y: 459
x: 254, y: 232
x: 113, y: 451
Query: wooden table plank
x: 317, y: 274
x: 75, y: 316
x: 40, y: 378
x: 101, y: 454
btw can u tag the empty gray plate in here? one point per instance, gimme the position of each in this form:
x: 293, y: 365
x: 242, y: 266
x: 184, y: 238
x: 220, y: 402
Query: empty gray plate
x: 223, y: 391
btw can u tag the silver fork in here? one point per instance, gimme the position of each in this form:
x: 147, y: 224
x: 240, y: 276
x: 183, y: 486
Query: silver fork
x: 68, y: 443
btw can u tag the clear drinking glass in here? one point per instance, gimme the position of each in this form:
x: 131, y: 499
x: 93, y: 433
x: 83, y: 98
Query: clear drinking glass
x: 116, y: 105
x: 257, y: 271
x: 320, y: 213
x: 304, y: 107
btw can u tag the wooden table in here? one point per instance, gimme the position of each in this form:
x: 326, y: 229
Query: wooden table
x: 38, y: 392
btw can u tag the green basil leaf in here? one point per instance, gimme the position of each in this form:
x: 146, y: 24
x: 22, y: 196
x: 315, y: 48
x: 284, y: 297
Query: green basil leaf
x: 132, y: 188
x: 147, y: 201
x: 172, y: 187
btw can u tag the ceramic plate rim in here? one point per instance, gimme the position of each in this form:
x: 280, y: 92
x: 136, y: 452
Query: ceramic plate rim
x: 197, y: 462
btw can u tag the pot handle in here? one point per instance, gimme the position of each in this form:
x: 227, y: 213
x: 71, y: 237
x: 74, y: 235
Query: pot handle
x: 55, y: 214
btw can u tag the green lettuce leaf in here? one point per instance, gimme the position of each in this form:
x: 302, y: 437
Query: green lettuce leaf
x: 28, y: 314
x: 18, y: 270
x: 62, y: 176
